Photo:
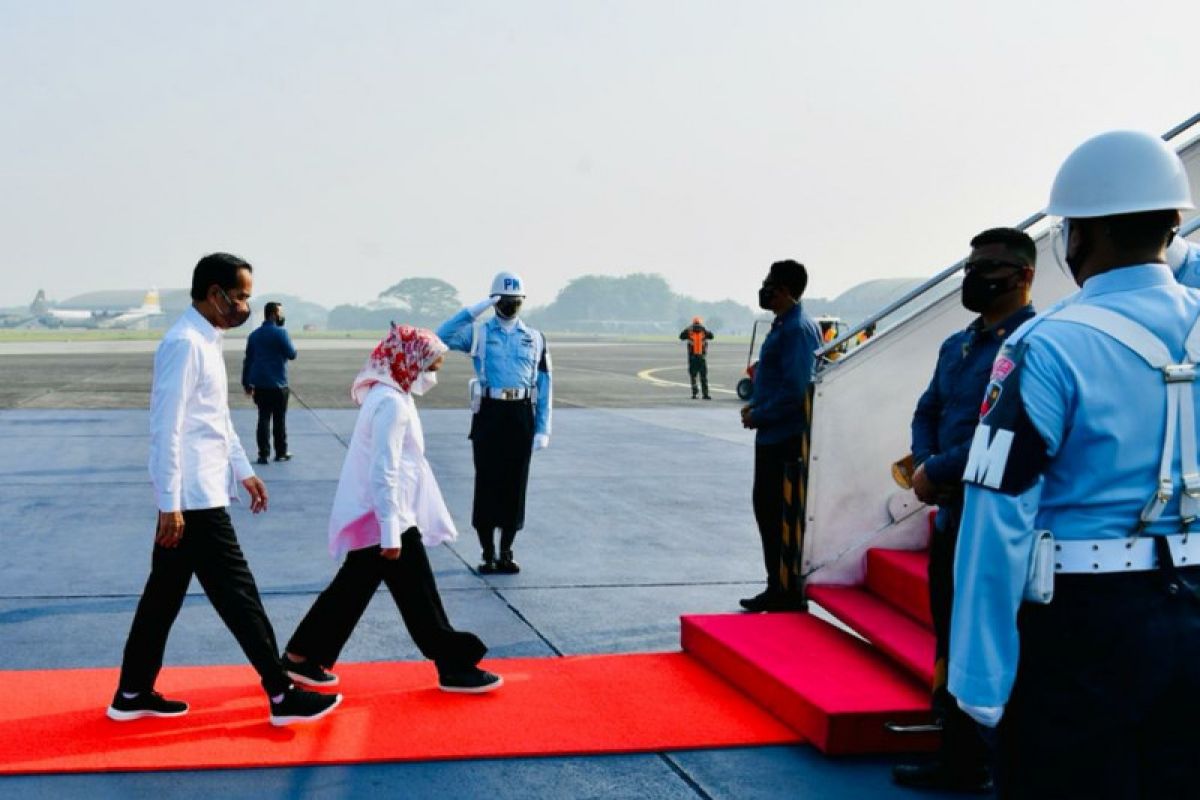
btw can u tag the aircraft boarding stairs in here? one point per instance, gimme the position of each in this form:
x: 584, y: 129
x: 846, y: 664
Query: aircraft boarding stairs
x: 862, y: 555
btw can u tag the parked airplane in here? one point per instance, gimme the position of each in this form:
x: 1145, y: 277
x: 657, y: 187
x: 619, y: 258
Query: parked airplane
x: 42, y: 313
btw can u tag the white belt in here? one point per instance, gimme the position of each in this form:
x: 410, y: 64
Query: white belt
x: 517, y: 393
x: 1133, y: 554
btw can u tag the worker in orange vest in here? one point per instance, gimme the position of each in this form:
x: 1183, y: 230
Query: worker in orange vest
x: 697, y: 337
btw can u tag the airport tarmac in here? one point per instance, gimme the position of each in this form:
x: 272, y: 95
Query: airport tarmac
x: 638, y: 512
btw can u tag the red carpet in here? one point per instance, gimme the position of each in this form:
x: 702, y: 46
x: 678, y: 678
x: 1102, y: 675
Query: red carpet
x: 53, y: 720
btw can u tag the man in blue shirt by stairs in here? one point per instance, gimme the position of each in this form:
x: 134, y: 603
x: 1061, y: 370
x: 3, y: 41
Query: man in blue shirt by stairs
x: 265, y: 378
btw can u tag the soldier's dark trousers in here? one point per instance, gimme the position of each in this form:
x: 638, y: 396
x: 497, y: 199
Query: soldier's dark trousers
x: 1106, y: 702
x: 209, y: 550
x: 502, y: 445
x: 769, y: 463
x: 272, y: 405
x: 327, y: 626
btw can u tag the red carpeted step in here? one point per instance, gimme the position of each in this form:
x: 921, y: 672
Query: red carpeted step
x: 902, y: 578
x: 906, y: 641
x: 832, y: 688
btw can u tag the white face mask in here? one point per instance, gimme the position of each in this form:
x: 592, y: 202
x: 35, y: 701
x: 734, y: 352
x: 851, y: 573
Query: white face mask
x: 424, y: 382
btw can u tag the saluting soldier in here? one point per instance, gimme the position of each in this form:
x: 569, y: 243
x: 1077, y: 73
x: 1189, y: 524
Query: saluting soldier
x: 1076, y: 621
x: 511, y: 399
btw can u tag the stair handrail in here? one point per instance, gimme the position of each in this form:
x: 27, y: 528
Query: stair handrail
x: 948, y: 272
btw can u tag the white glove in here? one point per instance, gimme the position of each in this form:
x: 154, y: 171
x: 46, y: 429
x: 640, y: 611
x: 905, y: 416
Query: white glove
x: 987, y: 716
x: 482, y: 306
x: 541, y: 441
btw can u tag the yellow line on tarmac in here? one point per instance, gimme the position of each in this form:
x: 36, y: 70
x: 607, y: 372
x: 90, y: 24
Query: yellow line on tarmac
x: 648, y: 375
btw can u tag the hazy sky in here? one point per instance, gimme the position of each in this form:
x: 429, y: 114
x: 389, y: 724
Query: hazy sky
x: 343, y: 146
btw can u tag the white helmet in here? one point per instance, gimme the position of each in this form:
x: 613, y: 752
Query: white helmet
x: 508, y: 283
x: 1120, y: 172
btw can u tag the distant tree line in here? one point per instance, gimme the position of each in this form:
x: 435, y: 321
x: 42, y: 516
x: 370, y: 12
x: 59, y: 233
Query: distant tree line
x: 636, y: 303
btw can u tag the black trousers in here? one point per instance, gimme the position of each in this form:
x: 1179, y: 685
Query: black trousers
x: 1106, y: 702
x: 962, y: 748
x: 209, y: 549
x: 502, y: 445
x: 769, y: 462
x: 698, y: 368
x: 326, y: 628
x: 272, y: 405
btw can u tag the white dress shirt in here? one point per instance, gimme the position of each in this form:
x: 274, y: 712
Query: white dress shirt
x: 196, y: 459
x: 387, y: 485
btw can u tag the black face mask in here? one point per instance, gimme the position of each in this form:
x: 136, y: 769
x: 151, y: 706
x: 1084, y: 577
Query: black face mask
x: 233, y: 316
x: 765, y: 297
x: 979, y: 292
x: 1074, y: 260
x: 507, y: 307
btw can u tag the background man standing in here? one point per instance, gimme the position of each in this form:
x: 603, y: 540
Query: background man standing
x: 776, y: 414
x: 264, y: 377
x: 511, y: 398
x: 196, y: 462
x: 697, y: 337
x: 997, y: 284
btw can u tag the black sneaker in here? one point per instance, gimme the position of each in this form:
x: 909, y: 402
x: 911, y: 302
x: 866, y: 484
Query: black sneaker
x: 309, y: 673
x: 144, y: 704
x: 284, y: 457
x: 471, y: 680
x: 263, y: 460
x: 299, y: 705
x: 506, y: 565
x: 487, y: 566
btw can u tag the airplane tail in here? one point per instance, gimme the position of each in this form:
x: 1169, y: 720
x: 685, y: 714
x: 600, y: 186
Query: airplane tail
x: 39, y: 304
x: 150, y: 303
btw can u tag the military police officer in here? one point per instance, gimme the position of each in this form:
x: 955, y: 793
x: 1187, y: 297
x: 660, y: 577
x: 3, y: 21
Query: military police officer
x: 511, y: 401
x: 1076, y: 621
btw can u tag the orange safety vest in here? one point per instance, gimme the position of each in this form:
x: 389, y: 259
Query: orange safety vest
x: 698, y: 340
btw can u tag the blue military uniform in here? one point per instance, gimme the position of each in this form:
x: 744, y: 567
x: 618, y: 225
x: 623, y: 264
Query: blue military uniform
x: 942, y: 426
x: 513, y: 399
x: 781, y: 380
x: 1100, y: 688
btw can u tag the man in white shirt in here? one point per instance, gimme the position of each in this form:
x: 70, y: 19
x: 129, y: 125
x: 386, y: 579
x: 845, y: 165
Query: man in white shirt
x: 196, y: 462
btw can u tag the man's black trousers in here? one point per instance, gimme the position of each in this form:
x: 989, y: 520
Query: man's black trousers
x: 698, y: 368
x: 1106, y: 702
x: 962, y: 749
x: 502, y: 445
x: 769, y: 463
x: 272, y: 405
x: 326, y: 628
x: 209, y: 549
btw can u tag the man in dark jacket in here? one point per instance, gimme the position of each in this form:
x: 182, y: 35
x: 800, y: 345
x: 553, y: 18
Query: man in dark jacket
x: 264, y: 377
x: 697, y: 337
x: 996, y: 285
x: 776, y: 414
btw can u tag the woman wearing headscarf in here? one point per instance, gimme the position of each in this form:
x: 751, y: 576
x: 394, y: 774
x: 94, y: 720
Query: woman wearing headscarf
x: 386, y: 511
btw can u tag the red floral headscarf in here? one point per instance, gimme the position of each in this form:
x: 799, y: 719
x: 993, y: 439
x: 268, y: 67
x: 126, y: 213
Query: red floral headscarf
x: 397, y: 360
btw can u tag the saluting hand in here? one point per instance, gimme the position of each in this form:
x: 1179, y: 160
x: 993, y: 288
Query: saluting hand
x: 170, y: 528
x: 258, y: 493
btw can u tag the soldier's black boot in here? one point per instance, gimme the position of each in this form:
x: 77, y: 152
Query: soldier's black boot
x: 506, y: 564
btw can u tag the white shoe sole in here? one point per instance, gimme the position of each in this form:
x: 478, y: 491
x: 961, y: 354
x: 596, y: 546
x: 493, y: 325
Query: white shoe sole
x: 305, y: 681
x: 126, y: 716
x: 491, y: 687
x: 279, y: 722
